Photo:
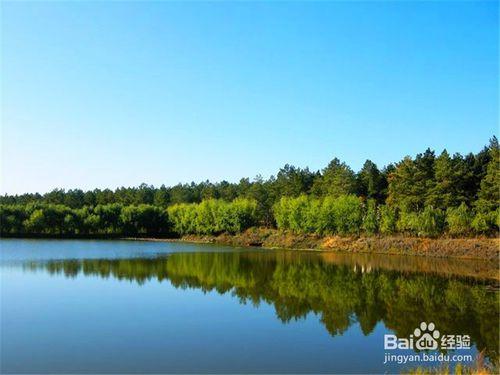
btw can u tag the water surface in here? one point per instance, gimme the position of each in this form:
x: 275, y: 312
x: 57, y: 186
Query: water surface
x: 154, y: 307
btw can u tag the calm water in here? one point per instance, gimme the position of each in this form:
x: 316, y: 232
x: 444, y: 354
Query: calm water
x: 122, y: 307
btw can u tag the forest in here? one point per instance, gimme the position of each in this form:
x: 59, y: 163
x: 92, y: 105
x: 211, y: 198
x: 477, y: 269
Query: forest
x: 427, y: 195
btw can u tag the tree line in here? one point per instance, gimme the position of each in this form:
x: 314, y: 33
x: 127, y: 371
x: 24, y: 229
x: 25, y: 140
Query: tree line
x: 108, y: 219
x: 208, y: 217
x: 425, y: 195
x: 349, y: 215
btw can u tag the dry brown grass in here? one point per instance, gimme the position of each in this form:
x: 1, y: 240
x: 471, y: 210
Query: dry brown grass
x: 465, y: 248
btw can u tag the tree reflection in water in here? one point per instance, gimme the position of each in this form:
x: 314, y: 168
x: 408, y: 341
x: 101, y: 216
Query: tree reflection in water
x: 341, y: 291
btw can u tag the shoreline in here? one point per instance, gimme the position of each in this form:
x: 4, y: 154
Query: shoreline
x: 432, y: 262
x: 482, y: 248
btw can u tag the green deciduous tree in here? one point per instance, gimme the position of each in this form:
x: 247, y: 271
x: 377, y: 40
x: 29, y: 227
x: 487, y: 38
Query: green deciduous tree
x: 370, y: 219
x: 430, y: 222
x: 388, y: 219
x: 213, y: 216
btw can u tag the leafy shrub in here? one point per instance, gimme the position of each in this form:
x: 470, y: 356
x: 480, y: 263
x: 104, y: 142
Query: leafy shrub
x: 110, y: 217
x: 370, y: 220
x: 232, y: 217
x: 430, y: 222
x: 326, y: 220
x: 183, y: 218
x: 36, y: 222
x: 348, y: 213
x: 92, y: 223
x: 12, y: 218
x: 496, y: 219
x: 484, y: 222
x: 299, y: 210
x: 408, y: 222
x: 48, y: 218
x: 297, y: 214
x: 304, y: 214
x: 213, y: 216
x: 388, y: 219
x: 459, y: 220
x: 282, y: 213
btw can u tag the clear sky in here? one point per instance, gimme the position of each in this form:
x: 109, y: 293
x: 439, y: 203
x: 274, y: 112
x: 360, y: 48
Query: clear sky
x: 111, y: 94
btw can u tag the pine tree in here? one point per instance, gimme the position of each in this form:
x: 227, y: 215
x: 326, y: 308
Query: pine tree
x: 489, y: 193
x: 337, y: 179
x: 371, y: 182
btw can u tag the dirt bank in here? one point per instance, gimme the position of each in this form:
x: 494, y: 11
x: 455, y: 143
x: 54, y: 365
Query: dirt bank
x: 467, y: 248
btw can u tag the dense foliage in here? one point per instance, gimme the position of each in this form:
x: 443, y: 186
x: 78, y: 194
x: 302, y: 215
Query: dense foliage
x: 208, y: 217
x: 58, y: 219
x: 349, y: 214
x: 425, y: 195
x: 213, y: 216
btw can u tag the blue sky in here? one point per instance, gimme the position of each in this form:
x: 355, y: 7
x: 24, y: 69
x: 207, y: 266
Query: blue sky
x: 111, y: 94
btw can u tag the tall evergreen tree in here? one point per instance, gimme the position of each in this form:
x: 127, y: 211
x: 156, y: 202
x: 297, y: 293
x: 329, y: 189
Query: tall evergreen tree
x: 448, y: 188
x: 337, y: 179
x: 489, y: 193
x: 411, y: 182
x: 371, y: 182
x: 161, y: 197
x: 292, y: 181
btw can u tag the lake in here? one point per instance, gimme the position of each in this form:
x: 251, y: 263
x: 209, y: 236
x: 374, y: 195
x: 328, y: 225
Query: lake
x: 75, y: 306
